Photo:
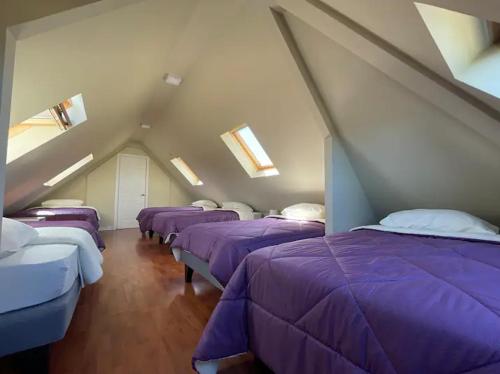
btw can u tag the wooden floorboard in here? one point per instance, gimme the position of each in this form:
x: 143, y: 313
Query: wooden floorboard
x: 139, y: 318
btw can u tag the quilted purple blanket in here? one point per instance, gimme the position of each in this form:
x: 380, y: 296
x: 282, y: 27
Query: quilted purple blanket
x: 175, y: 222
x: 146, y: 215
x: 224, y: 245
x: 361, y: 302
x: 84, y: 225
x: 62, y: 214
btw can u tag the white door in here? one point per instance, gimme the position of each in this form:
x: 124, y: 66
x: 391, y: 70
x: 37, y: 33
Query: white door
x: 132, y: 189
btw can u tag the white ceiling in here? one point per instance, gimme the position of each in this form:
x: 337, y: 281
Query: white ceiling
x: 237, y: 69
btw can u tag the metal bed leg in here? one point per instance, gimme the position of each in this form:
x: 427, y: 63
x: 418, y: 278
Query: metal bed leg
x: 188, y: 274
x: 161, y: 241
x: 151, y: 233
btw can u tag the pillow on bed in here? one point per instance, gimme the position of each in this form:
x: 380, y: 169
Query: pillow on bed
x: 304, y: 211
x: 15, y: 235
x: 205, y: 204
x: 56, y: 203
x: 234, y: 205
x: 443, y: 220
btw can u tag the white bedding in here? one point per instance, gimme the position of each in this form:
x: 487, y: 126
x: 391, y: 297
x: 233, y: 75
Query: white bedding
x: 459, y: 235
x: 89, y: 257
x: 36, y: 274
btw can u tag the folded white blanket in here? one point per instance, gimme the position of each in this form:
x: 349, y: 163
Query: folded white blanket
x: 89, y: 257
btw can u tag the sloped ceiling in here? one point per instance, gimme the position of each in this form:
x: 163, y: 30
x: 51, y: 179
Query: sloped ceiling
x: 116, y: 60
x: 407, y: 151
x: 245, y: 77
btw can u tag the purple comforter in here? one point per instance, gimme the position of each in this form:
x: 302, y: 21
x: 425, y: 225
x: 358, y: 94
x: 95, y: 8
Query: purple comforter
x: 146, y: 215
x: 84, y: 225
x: 364, y: 301
x: 225, y: 244
x: 175, y: 222
x: 62, y: 214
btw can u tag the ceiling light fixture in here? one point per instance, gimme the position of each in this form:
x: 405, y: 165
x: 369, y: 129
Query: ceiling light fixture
x: 172, y: 79
x: 145, y: 126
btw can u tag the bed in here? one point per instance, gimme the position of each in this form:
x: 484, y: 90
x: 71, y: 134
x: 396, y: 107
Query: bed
x: 79, y: 213
x: 40, y: 283
x: 168, y: 225
x: 84, y: 225
x: 146, y: 215
x: 214, y: 250
x: 371, y: 300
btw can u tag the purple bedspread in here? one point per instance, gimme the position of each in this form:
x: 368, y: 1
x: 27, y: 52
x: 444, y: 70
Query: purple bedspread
x: 175, y: 222
x: 84, y: 225
x: 361, y: 302
x: 60, y: 214
x: 146, y: 215
x: 225, y: 244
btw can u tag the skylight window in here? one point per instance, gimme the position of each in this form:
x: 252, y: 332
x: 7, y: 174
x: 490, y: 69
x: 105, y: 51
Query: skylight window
x: 468, y: 44
x: 186, y: 171
x: 244, y: 145
x: 64, y: 174
x: 45, y: 126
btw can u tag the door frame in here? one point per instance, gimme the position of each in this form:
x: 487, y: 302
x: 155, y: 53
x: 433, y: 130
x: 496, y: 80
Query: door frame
x: 117, y: 183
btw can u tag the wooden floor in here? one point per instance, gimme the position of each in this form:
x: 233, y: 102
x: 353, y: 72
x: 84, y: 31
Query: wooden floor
x: 140, y: 318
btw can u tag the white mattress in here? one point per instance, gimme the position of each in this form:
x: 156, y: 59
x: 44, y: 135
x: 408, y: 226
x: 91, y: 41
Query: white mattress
x: 36, y: 274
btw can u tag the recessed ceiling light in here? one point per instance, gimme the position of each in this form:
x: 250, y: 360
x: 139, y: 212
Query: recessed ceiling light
x: 172, y: 79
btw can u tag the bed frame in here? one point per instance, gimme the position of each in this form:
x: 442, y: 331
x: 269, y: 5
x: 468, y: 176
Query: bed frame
x: 32, y: 329
x: 194, y: 264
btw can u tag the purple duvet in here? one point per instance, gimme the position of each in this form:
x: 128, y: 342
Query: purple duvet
x: 360, y: 302
x: 175, y: 222
x: 146, y: 215
x: 225, y: 244
x: 84, y: 225
x: 62, y: 214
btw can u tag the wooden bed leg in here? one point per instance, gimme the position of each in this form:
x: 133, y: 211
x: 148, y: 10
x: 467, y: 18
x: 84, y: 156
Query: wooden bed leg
x: 160, y: 241
x: 150, y: 234
x: 188, y: 274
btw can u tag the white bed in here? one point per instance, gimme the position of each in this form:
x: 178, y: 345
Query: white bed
x: 36, y: 274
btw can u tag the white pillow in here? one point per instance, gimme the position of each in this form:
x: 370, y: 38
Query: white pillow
x: 15, y: 235
x: 443, y: 220
x: 56, y: 203
x: 304, y: 211
x: 234, y: 205
x: 205, y: 204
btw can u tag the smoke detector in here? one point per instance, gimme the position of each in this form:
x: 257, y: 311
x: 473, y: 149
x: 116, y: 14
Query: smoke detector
x: 145, y: 126
x: 172, y: 79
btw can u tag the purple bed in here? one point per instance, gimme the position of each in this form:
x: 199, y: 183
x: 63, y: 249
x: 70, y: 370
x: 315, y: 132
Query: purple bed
x: 84, y: 225
x: 223, y: 245
x: 62, y: 214
x: 146, y: 215
x: 365, y: 301
x: 166, y: 224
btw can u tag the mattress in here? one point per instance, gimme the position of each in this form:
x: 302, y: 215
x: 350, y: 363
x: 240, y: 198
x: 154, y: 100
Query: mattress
x: 37, y: 274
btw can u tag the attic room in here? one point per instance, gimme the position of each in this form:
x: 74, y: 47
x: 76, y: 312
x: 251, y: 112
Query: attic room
x: 236, y: 186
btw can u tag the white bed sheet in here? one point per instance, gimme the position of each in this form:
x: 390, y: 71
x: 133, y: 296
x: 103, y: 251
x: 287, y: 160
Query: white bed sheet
x: 37, y: 274
x: 459, y: 235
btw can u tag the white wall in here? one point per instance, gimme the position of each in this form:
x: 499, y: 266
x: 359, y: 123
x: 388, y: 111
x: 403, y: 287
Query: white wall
x: 407, y: 152
x: 97, y: 187
x: 244, y: 77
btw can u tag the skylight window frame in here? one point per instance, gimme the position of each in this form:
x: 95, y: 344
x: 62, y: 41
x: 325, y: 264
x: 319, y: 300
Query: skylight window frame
x: 251, y: 155
x: 69, y: 170
x: 245, y: 155
x: 186, y: 171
